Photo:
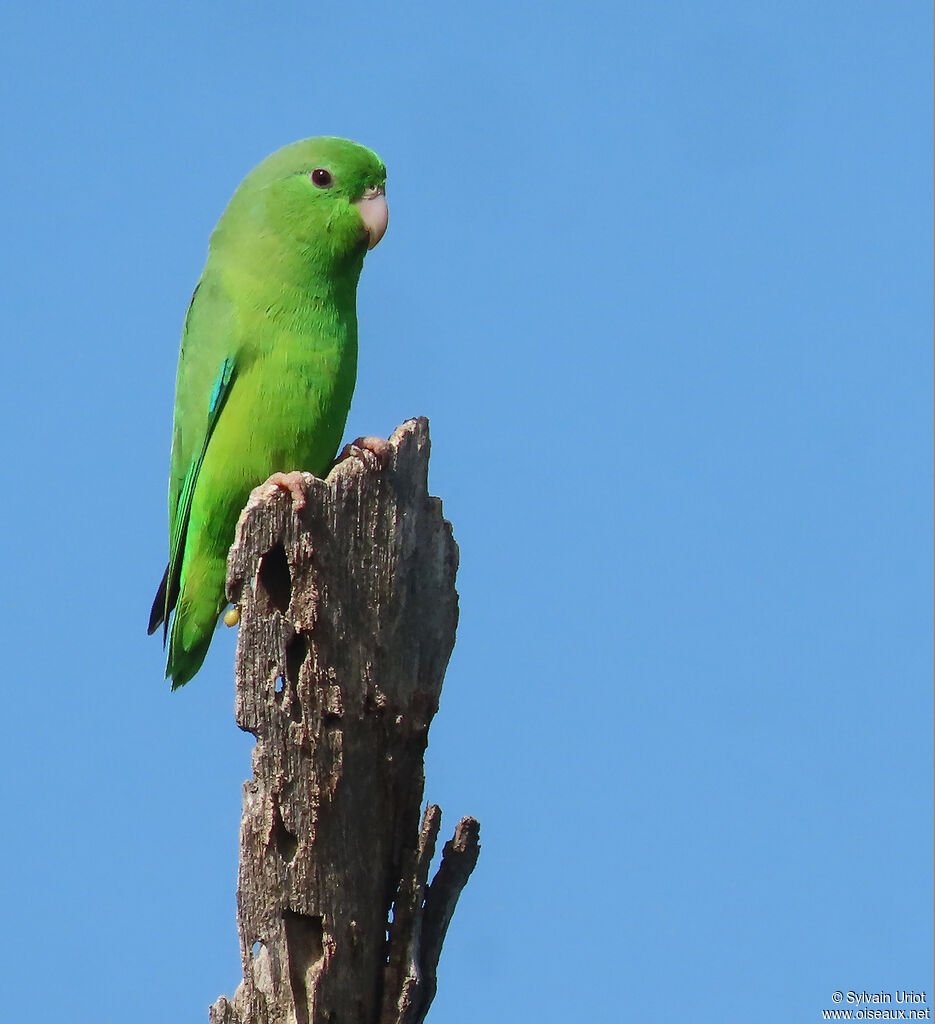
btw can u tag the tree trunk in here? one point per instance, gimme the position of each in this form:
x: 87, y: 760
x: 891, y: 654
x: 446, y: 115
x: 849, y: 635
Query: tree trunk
x: 348, y: 613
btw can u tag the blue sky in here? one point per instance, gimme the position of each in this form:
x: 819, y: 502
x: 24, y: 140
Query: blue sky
x: 659, y: 274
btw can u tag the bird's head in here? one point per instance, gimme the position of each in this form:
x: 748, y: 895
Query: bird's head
x: 325, y: 197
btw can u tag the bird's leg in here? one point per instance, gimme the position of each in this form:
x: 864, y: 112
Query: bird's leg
x: 375, y: 446
x: 294, y: 483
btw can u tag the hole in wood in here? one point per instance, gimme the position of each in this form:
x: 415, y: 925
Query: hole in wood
x: 286, y: 842
x: 304, y: 949
x: 280, y: 685
x: 296, y: 651
x: 275, y: 577
x: 255, y: 949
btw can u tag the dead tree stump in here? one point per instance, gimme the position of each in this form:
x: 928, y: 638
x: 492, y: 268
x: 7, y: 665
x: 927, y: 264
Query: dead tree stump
x: 348, y: 614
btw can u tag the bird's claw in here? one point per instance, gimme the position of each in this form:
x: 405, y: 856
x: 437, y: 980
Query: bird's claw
x: 294, y: 483
x: 380, y: 449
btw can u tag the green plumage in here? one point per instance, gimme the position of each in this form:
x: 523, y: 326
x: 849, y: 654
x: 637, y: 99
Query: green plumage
x: 267, y: 365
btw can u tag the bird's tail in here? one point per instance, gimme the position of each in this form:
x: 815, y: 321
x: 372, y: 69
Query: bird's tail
x: 196, y: 616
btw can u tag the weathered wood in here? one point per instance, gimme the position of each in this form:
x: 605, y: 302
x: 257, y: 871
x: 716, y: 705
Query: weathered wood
x: 348, y: 615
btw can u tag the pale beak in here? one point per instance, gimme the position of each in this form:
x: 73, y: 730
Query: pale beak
x: 374, y: 213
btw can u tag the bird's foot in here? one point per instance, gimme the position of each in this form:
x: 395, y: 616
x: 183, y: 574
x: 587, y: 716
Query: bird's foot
x: 294, y: 483
x: 375, y: 446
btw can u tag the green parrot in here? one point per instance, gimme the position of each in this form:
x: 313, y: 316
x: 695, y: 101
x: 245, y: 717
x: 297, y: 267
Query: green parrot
x: 267, y: 364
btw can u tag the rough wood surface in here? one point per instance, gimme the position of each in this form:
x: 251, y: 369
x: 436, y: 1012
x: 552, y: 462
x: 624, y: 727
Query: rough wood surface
x: 348, y: 614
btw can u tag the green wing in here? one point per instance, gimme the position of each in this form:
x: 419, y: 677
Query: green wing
x: 168, y: 592
x: 207, y: 368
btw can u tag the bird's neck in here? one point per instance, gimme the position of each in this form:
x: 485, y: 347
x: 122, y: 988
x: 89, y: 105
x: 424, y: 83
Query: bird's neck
x: 283, y: 275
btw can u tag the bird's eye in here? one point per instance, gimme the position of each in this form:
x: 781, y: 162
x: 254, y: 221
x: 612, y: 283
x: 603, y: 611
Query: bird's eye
x: 321, y: 178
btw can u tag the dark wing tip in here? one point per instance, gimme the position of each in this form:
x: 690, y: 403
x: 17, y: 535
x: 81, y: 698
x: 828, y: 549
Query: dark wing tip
x: 158, y: 612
